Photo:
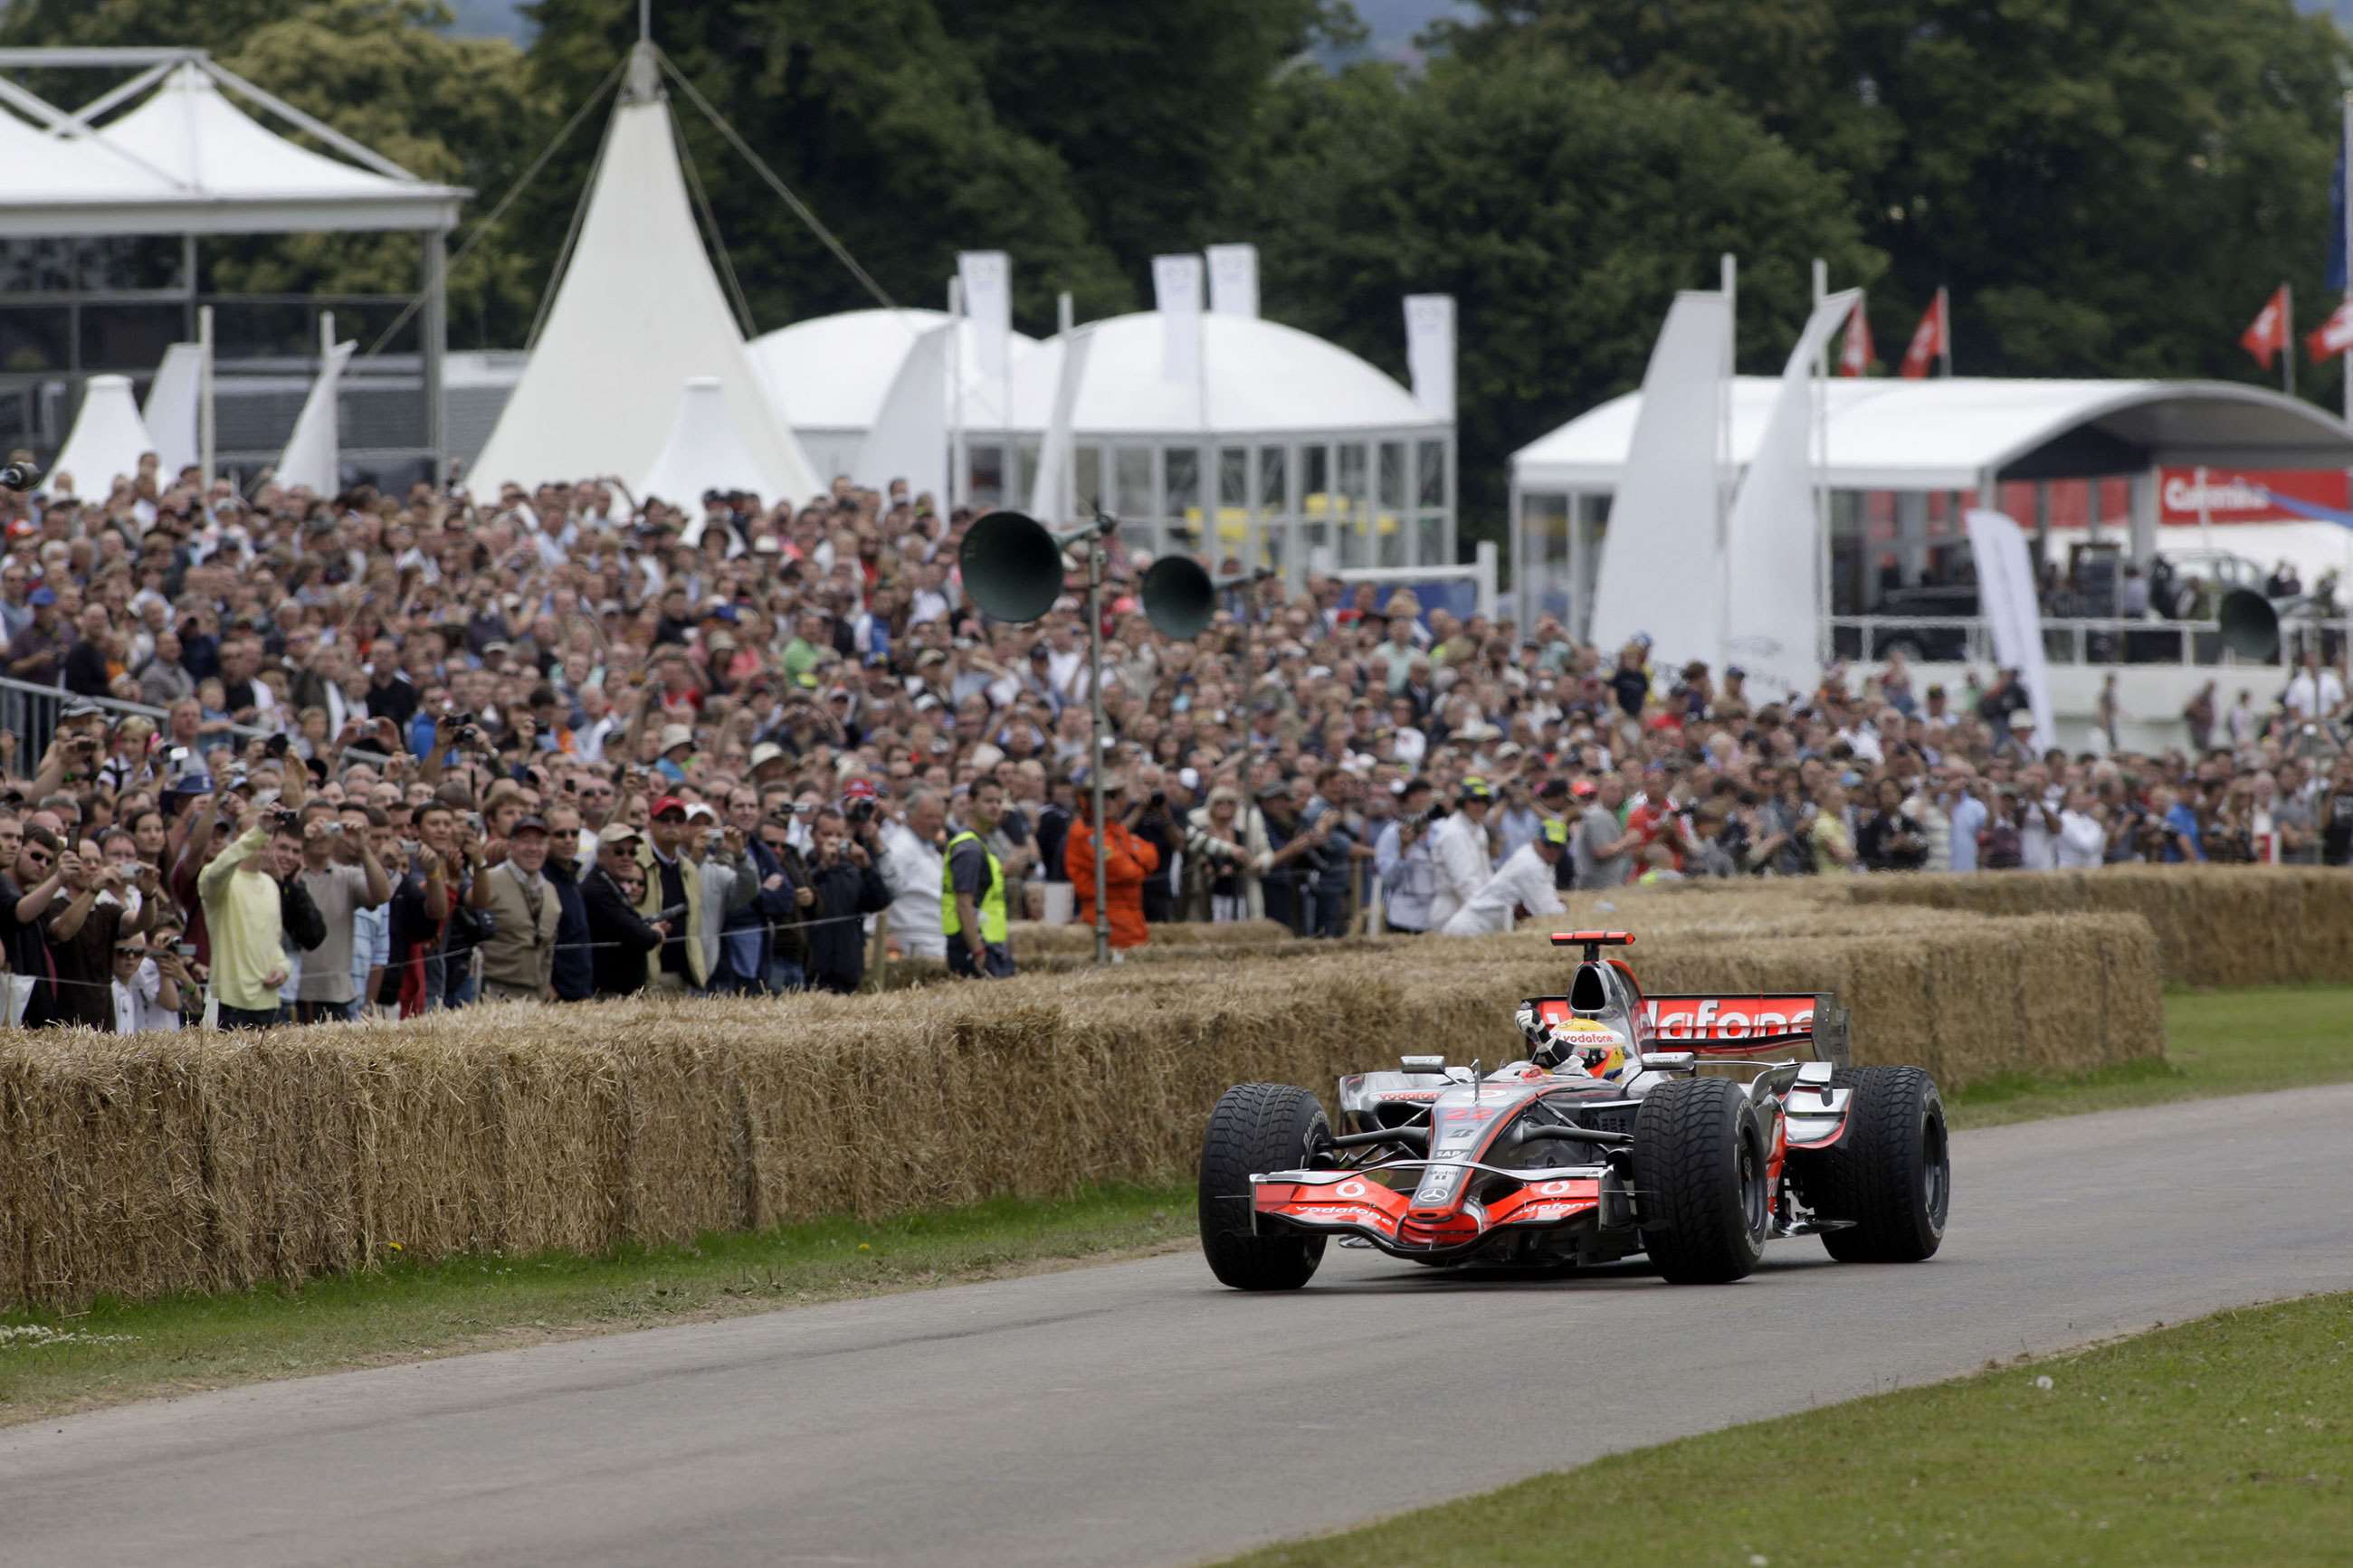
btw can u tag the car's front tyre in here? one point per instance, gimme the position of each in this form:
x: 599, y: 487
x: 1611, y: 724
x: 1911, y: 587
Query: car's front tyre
x: 1891, y: 1176
x: 1257, y: 1128
x: 1699, y: 1172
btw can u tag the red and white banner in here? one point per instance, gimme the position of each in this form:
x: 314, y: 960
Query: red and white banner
x: 2186, y: 497
x: 1931, y: 340
x: 2266, y: 335
x: 2333, y: 336
x: 1855, y: 354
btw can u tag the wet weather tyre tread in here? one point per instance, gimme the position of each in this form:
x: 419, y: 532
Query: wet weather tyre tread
x: 1699, y: 1228
x: 1877, y: 1177
x: 1257, y: 1128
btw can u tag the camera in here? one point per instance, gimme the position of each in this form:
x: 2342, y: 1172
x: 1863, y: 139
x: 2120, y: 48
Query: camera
x: 184, y: 949
x: 859, y: 813
x: 274, y: 747
x: 283, y: 820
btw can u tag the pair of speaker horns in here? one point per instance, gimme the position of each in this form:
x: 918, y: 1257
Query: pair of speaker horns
x: 1012, y: 567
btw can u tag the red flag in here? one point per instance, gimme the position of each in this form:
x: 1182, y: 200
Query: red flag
x: 1931, y: 340
x: 1856, y: 357
x: 2267, y: 333
x: 2333, y: 336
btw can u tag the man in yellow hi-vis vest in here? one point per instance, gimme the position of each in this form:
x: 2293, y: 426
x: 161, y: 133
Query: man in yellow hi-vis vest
x: 972, y: 891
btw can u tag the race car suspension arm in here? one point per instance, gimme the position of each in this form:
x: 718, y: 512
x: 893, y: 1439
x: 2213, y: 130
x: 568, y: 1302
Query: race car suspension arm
x: 1404, y: 1137
x: 1529, y: 1132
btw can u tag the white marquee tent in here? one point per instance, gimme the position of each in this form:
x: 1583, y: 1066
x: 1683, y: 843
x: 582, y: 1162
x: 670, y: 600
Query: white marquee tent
x: 638, y: 313
x: 107, y: 439
x: 829, y: 377
x: 704, y: 451
x: 1312, y: 457
x: 1961, y: 435
x: 166, y: 151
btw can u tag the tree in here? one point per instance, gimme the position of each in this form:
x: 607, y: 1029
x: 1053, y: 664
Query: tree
x: 1150, y: 107
x: 2110, y: 187
x: 875, y: 117
x: 1561, y: 209
x: 458, y: 111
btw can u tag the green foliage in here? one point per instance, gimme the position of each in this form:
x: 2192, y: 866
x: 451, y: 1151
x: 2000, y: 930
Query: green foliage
x: 877, y: 118
x: 1152, y: 114
x: 1560, y: 208
x: 2109, y: 187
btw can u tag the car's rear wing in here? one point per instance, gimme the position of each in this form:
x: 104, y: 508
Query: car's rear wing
x: 1735, y: 1026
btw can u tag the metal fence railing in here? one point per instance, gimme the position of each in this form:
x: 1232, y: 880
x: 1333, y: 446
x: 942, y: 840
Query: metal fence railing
x: 30, y: 712
x: 1965, y: 639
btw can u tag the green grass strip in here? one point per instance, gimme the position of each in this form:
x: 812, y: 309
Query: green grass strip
x: 2227, y: 1441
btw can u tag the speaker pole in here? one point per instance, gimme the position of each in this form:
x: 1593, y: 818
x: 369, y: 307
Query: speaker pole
x: 1096, y: 730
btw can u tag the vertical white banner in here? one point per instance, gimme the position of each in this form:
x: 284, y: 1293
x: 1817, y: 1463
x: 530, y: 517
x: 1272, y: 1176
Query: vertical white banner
x: 1054, y: 499
x: 1177, y: 295
x: 172, y: 399
x: 1233, y: 280
x: 1430, y: 351
x: 987, y: 279
x: 2005, y: 599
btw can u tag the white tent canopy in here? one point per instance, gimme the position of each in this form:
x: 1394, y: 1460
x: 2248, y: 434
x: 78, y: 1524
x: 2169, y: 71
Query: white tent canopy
x: 638, y: 313
x: 829, y: 376
x: 107, y: 440
x: 313, y: 455
x: 188, y: 161
x: 1951, y: 434
x: 704, y: 451
x: 1258, y: 377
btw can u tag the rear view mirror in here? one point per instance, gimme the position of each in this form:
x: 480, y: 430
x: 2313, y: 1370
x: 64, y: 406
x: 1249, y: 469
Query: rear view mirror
x: 1423, y: 1064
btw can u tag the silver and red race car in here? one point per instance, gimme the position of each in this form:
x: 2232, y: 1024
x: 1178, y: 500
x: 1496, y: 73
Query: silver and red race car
x: 1692, y: 1128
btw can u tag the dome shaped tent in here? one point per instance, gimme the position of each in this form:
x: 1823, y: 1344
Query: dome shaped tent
x: 827, y: 377
x: 1316, y: 457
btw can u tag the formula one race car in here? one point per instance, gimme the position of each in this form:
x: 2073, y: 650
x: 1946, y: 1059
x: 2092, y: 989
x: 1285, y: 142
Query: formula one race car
x: 1686, y: 1127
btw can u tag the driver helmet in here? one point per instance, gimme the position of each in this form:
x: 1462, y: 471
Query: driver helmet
x: 1596, y: 1045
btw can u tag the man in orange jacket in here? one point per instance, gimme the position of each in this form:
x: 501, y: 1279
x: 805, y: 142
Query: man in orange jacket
x: 1127, y: 861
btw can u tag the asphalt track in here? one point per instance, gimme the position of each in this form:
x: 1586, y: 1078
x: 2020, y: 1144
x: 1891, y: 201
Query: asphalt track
x: 1139, y: 1414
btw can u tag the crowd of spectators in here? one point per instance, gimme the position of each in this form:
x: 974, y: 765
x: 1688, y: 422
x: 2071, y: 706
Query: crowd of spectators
x: 421, y: 749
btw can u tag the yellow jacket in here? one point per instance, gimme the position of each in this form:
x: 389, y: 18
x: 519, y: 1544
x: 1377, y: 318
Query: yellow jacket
x: 687, y: 929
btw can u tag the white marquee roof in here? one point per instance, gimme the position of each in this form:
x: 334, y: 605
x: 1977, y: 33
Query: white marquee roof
x: 188, y: 161
x: 1893, y: 434
x: 638, y: 314
x: 1259, y: 377
x: 832, y: 373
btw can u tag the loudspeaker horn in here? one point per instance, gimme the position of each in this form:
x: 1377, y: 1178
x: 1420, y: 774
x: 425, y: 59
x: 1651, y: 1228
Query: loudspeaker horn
x: 2250, y: 628
x: 1180, y: 597
x: 1012, y: 567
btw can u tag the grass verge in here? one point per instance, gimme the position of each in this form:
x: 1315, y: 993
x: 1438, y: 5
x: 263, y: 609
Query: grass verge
x: 52, y: 1362
x: 2220, y: 1042
x: 2241, y: 1041
x: 2225, y: 1441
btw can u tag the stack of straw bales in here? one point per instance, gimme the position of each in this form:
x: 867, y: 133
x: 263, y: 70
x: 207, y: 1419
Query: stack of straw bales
x: 138, y: 1165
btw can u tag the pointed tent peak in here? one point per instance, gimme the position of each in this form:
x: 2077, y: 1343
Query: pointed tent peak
x: 107, y: 440
x: 704, y: 451
x: 189, y: 131
x: 637, y: 311
x: 642, y: 82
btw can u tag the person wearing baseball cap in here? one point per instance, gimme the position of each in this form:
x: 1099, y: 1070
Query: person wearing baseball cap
x: 519, y: 955
x: 619, y: 936
x: 1525, y: 881
x: 1460, y: 851
x: 677, y: 750
x: 672, y: 896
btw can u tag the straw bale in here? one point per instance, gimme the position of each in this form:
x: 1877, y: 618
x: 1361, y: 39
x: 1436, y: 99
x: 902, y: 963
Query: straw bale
x: 156, y: 1162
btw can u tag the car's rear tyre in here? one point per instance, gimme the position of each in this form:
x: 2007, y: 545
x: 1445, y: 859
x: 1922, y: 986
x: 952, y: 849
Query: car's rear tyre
x: 1891, y: 1176
x: 1699, y: 1167
x: 1257, y: 1128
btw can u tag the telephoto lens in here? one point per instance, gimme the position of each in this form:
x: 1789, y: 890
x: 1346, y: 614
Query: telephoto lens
x: 19, y: 476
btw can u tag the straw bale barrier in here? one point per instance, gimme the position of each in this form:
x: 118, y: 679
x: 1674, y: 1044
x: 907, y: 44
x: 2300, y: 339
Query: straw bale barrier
x: 136, y: 1166
x: 2216, y: 925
